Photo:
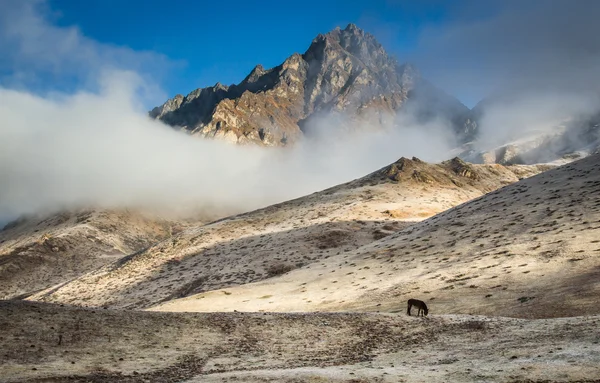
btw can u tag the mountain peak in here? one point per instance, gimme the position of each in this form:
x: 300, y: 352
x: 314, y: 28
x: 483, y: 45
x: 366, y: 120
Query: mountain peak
x: 353, y: 28
x: 343, y: 71
x: 255, y: 74
x: 351, y: 31
x: 349, y: 28
x: 353, y: 41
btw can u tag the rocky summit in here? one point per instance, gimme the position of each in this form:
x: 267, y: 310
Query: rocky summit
x: 345, y: 74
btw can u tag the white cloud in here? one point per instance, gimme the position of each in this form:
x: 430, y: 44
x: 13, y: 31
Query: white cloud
x: 100, y: 149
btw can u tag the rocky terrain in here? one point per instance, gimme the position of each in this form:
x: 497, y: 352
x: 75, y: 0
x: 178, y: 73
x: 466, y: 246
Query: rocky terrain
x: 37, y: 253
x: 293, y: 235
x: 345, y: 75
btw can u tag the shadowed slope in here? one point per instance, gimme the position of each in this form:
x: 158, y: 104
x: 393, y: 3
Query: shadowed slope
x: 36, y: 253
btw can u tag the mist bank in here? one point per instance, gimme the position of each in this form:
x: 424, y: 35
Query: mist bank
x: 102, y: 150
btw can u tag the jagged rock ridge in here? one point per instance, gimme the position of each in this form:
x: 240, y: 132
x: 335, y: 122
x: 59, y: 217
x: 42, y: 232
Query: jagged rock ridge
x: 343, y: 72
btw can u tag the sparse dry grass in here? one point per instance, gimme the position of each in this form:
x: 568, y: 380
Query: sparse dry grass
x: 517, y: 251
x: 302, y: 233
x: 129, y: 346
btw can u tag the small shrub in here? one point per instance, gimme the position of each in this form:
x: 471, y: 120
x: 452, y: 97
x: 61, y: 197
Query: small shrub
x: 474, y: 325
x: 279, y: 269
x: 378, y: 234
x: 525, y: 299
x: 173, y: 261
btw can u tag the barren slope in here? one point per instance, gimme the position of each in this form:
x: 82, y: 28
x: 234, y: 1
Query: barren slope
x: 267, y: 242
x: 130, y: 346
x: 530, y: 249
x: 37, y: 253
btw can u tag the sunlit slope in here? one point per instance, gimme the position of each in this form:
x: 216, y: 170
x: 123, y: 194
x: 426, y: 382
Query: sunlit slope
x: 530, y: 249
x: 292, y: 235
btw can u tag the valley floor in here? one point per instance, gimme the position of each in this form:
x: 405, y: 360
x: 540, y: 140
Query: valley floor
x: 53, y: 343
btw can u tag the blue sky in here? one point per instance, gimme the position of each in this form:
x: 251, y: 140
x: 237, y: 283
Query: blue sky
x: 223, y: 40
x: 468, y: 48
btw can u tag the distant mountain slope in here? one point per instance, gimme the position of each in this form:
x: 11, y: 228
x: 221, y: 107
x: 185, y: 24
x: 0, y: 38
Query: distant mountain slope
x: 530, y: 249
x: 36, y: 253
x: 294, y: 234
x: 532, y: 141
x: 565, y: 143
x: 343, y: 72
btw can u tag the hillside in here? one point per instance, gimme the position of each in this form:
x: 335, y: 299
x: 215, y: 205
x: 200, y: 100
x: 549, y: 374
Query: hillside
x: 296, y: 234
x: 529, y: 250
x: 36, y: 253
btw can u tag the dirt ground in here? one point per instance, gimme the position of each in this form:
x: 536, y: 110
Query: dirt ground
x: 49, y: 343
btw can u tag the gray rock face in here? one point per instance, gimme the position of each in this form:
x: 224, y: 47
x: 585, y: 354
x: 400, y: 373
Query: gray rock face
x: 344, y: 72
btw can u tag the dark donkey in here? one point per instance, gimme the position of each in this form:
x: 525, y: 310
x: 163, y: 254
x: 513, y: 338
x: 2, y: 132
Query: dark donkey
x: 418, y: 304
